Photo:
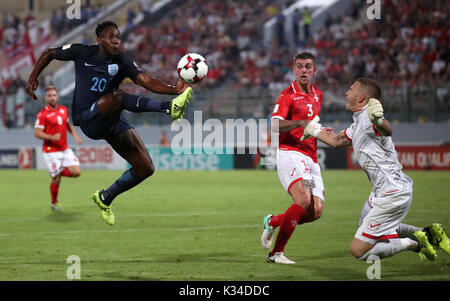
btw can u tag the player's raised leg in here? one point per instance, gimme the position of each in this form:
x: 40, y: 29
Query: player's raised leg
x: 268, y: 232
x: 361, y: 250
x: 73, y: 171
x: 436, y: 235
x: 271, y: 222
x: 301, y: 196
x: 314, y: 211
x: 130, y: 147
x: 364, y: 244
x: 179, y: 103
x: 417, y: 241
x: 111, y: 105
x: 70, y: 168
x: 378, y: 234
x: 54, y: 190
x: 71, y: 165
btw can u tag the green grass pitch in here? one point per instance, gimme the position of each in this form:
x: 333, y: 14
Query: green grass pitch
x: 193, y: 225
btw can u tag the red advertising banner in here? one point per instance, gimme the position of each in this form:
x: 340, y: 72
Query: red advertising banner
x: 23, y: 158
x: 414, y: 157
x: 95, y: 155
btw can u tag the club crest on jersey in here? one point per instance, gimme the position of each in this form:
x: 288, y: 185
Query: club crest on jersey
x: 113, y: 69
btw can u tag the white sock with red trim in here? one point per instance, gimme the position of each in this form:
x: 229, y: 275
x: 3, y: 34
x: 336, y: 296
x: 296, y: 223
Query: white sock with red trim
x: 405, y: 230
x: 387, y: 249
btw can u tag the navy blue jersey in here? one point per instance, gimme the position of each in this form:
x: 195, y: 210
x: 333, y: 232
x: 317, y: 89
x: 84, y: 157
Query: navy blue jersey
x: 94, y: 75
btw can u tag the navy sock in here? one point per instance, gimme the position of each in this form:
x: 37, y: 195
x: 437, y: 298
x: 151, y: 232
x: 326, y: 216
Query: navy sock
x: 128, y: 180
x: 136, y: 103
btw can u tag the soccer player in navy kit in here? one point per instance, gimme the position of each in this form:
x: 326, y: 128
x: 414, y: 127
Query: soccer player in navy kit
x: 98, y: 103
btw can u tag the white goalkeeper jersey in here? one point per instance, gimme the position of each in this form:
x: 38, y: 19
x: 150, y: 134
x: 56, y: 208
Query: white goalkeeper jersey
x: 376, y: 155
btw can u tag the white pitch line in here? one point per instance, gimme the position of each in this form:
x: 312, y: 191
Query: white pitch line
x: 132, y: 230
x: 90, y: 216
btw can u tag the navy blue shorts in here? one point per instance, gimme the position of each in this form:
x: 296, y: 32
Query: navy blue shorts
x: 96, y: 127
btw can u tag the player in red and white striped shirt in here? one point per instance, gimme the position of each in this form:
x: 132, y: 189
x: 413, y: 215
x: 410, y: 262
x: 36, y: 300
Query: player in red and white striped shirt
x: 51, y: 125
x: 297, y: 166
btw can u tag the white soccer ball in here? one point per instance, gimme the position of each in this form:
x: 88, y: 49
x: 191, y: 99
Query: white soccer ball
x: 192, y: 68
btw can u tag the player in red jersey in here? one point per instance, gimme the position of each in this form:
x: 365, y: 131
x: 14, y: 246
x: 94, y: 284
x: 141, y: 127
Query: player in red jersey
x: 297, y: 166
x: 51, y: 125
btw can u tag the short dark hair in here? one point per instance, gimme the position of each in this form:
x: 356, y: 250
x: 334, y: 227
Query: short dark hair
x: 304, y: 56
x: 370, y: 86
x: 51, y: 87
x: 102, y: 26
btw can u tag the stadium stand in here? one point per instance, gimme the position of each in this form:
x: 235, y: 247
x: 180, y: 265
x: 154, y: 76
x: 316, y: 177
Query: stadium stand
x: 27, y: 36
x: 407, y: 50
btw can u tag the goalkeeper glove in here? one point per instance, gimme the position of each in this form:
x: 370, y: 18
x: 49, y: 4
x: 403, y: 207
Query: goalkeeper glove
x: 375, y: 111
x: 312, y: 129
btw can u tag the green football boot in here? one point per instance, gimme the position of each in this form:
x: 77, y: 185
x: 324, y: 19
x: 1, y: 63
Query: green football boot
x: 180, y: 103
x: 425, y: 248
x: 438, y: 237
x: 267, y: 236
x: 107, y: 213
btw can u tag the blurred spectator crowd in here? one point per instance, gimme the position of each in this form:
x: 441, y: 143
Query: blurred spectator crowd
x: 225, y: 32
x: 14, y: 35
x: 408, y: 45
x: 20, y: 38
x: 60, y: 24
x: 14, y: 29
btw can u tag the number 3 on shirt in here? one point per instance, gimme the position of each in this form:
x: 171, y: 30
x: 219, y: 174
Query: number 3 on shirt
x: 99, y: 84
x: 310, y: 111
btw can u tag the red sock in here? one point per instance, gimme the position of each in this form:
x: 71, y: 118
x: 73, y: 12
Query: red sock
x: 275, y: 221
x: 54, y: 192
x: 65, y: 172
x: 291, y: 218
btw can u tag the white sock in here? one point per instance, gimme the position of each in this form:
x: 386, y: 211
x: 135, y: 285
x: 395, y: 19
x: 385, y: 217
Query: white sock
x: 387, y: 249
x: 405, y: 230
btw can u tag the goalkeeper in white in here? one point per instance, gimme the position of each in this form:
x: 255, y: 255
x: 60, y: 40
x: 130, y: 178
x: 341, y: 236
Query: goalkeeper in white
x: 380, y: 231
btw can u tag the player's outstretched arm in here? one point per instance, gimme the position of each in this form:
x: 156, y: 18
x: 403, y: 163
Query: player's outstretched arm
x: 333, y: 139
x: 384, y: 128
x: 71, y: 130
x: 283, y: 126
x: 326, y: 135
x: 376, y: 115
x: 40, y: 134
x: 155, y: 85
x: 46, y: 57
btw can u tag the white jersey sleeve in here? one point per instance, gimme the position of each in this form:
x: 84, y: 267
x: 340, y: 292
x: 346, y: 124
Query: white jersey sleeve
x: 376, y: 155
